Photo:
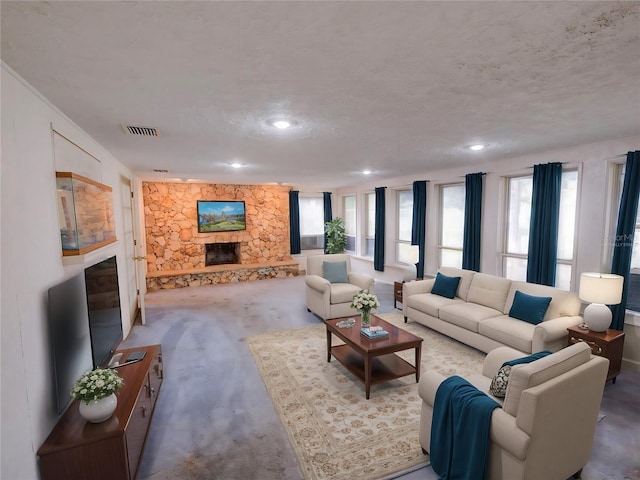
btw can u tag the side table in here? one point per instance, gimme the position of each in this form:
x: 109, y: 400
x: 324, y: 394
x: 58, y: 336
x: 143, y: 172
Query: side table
x: 607, y: 344
x: 397, y: 293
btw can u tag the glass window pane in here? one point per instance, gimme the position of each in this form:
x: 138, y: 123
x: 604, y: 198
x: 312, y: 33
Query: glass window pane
x: 450, y: 258
x: 566, y: 226
x: 515, y: 269
x: 405, y: 215
x: 406, y: 253
x: 520, y: 190
x: 371, y: 215
x: 350, y: 215
x: 369, y: 246
x: 311, y: 216
x: 452, y: 216
x: 563, y: 276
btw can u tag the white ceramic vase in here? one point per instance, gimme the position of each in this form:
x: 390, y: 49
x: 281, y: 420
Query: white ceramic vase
x: 97, y: 411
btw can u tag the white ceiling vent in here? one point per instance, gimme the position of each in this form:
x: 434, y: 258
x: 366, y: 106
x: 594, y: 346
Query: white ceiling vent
x: 141, y: 131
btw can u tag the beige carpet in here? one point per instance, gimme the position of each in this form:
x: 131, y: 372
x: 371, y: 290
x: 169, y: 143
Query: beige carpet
x: 335, y: 432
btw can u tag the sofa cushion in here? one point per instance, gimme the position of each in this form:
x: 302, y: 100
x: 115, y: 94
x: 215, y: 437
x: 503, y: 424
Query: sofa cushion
x: 489, y: 290
x: 465, y: 279
x: 529, y: 308
x: 445, y: 286
x: 335, y: 272
x: 467, y: 315
x: 563, y: 303
x: 508, y: 331
x: 535, y: 373
x: 342, y: 292
x: 429, y: 303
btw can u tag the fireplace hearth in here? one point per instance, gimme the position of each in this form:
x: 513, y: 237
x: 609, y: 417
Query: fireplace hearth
x: 222, y: 253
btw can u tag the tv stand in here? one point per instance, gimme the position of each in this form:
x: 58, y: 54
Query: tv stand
x: 110, y: 450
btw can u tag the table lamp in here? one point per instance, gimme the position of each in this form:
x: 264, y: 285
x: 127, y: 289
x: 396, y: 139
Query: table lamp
x: 600, y: 290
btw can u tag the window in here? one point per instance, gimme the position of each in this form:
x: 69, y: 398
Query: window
x: 405, y: 253
x: 519, y: 196
x: 452, y: 198
x: 349, y: 216
x: 370, y: 228
x: 311, y: 223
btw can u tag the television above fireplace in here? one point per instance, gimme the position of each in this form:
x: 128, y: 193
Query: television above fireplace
x: 221, y: 216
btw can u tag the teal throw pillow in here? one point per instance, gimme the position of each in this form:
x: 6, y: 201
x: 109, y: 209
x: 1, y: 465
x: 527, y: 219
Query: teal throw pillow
x: 529, y: 308
x: 335, y: 272
x: 498, y: 387
x: 445, y: 286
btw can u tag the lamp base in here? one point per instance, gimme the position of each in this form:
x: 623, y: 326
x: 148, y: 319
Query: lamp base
x: 598, y: 317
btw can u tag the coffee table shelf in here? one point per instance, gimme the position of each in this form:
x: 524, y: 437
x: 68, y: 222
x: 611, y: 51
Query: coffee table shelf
x: 384, y: 368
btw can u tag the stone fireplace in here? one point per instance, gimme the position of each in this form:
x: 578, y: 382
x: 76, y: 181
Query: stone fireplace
x: 224, y: 253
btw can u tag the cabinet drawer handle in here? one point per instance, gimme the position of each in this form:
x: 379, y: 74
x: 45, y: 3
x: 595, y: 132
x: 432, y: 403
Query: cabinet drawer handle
x: 595, y: 348
x: 144, y: 411
x: 153, y: 391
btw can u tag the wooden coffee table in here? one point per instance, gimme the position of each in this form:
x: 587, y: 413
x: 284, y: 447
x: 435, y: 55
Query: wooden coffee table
x: 373, y: 361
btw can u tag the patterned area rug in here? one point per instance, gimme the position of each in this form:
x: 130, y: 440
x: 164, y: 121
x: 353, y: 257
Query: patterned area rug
x: 336, y: 433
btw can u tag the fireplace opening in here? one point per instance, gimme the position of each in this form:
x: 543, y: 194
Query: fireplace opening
x: 222, y: 253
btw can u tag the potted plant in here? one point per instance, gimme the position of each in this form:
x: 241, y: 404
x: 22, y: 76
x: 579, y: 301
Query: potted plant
x: 96, y: 390
x: 336, y: 236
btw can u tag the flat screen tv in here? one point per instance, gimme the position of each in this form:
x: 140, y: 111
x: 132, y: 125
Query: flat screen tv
x: 103, y: 302
x: 221, y: 215
x: 70, y: 337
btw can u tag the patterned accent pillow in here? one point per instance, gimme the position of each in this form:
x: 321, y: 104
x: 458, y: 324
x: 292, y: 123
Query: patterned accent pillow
x: 499, y: 383
x: 498, y: 387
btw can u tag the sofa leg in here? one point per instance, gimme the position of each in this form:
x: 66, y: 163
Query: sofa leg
x: 405, y: 319
x: 578, y: 474
x: 308, y: 310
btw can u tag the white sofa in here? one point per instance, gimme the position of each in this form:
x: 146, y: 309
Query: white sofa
x: 332, y: 300
x: 478, y: 315
x: 547, y: 422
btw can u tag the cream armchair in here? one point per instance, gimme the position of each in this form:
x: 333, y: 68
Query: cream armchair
x: 332, y: 300
x: 545, y: 428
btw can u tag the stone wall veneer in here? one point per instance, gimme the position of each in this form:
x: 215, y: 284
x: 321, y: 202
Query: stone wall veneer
x: 171, y: 227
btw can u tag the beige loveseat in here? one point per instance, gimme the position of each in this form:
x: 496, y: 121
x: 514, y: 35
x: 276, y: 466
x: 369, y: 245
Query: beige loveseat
x: 545, y: 428
x: 478, y: 315
x: 333, y: 299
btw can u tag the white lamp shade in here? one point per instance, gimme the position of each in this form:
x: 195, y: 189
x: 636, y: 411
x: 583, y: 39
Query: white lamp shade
x: 604, y: 288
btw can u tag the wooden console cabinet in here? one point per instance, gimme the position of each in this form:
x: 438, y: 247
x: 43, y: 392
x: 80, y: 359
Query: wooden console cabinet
x: 110, y: 450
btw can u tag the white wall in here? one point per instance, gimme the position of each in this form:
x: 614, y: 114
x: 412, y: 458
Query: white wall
x: 31, y: 262
x: 593, y: 228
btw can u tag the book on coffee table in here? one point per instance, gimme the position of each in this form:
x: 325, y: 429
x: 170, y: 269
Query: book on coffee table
x: 373, y: 332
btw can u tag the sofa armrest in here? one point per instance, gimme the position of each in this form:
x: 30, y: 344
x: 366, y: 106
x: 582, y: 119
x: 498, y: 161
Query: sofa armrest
x: 428, y: 386
x: 507, y: 435
x: 417, y: 286
x: 551, y: 332
x: 365, y: 282
x: 496, y: 357
x: 317, y: 283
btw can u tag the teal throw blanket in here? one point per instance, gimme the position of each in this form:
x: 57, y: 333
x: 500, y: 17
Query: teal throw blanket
x: 460, y: 430
x: 528, y: 359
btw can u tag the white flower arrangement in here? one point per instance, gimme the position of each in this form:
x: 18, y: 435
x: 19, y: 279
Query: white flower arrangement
x: 363, y: 301
x: 96, y: 384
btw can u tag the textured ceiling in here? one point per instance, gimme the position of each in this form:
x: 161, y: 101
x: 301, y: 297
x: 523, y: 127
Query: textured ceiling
x: 396, y: 87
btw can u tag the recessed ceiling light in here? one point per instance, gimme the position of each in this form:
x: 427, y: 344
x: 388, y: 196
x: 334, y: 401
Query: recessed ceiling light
x: 477, y: 147
x: 282, y: 123
x: 237, y: 165
x: 366, y: 172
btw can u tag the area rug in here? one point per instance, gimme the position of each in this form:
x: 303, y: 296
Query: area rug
x: 335, y: 432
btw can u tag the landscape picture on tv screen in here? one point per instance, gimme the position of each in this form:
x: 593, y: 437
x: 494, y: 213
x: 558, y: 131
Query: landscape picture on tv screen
x: 220, y: 215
